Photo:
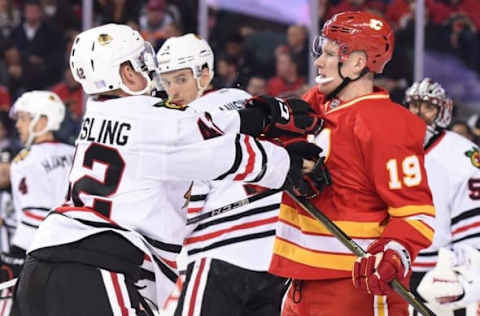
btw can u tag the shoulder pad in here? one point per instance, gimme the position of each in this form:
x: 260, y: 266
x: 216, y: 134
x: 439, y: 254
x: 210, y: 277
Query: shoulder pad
x: 21, y: 155
x: 169, y: 105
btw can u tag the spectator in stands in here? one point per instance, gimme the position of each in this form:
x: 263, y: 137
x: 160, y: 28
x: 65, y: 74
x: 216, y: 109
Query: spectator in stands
x: 9, y: 18
x: 60, y: 14
x: 5, y: 100
x: 226, y: 74
x: 287, y: 79
x: 462, y: 128
x: 297, y: 44
x: 15, y: 78
x: 375, y: 6
x: 257, y: 85
x: 154, y: 21
x: 70, y: 92
x: 117, y: 11
x: 8, y: 141
x: 41, y: 48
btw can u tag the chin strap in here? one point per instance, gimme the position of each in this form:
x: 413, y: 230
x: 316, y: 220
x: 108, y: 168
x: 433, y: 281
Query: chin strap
x: 345, y: 81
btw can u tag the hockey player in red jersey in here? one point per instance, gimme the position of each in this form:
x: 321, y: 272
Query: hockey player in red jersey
x: 373, y: 149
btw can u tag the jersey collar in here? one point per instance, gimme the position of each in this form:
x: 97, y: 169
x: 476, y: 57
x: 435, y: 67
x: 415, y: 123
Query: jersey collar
x: 336, y: 104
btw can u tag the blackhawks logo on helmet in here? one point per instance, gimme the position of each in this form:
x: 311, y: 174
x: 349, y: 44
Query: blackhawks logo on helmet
x: 474, y: 156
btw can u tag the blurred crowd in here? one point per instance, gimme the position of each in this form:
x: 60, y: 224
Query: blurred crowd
x: 259, y: 56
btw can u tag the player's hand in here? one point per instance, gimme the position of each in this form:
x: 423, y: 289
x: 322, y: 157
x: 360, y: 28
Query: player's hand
x: 454, y: 282
x: 306, y: 184
x: 291, y: 117
x: 385, y: 260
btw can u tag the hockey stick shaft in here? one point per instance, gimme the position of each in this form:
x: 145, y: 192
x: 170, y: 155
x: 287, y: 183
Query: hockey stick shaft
x: 357, y: 250
x: 231, y: 206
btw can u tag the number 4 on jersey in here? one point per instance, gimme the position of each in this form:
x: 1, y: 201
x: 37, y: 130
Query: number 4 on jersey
x: 411, y: 173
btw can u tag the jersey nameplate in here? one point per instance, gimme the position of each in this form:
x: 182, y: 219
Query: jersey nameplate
x: 105, y: 131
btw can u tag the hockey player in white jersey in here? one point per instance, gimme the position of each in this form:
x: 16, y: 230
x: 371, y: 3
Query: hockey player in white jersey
x: 39, y: 171
x: 227, y: 254
x: 130, y: 182
x: 38, y: 174
x: 453, y: 169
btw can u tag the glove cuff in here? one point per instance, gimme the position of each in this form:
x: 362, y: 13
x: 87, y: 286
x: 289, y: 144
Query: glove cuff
x: 402, y: 253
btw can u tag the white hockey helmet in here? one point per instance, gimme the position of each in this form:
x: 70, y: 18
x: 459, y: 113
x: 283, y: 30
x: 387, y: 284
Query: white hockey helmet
x: 432, y: 92
x: 97, y: 54
x: 38, y: 103
x: 186, y: 51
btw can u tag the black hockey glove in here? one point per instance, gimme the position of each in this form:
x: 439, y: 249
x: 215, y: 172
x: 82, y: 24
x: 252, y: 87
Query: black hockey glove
x: 306, y: 184
x: 274, y: 117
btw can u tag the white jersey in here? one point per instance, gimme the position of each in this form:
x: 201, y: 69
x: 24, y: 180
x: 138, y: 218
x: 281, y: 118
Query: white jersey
x: 452, y: 163
x: 135, y: 160
x: 39, y: 180
x: 8, y: 220
x: 242, y: 236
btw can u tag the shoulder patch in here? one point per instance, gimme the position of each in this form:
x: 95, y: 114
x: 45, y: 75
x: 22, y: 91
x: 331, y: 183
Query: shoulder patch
x: 169, y: 105
x: 474, y: 156
x: 21, y: 155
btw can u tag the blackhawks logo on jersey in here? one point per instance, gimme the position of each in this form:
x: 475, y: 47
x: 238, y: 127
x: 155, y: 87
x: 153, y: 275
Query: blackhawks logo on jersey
x: 170, y: 105
x: 474, y: 156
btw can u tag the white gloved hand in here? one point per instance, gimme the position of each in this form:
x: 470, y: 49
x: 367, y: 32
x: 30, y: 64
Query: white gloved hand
x: 455, y: 281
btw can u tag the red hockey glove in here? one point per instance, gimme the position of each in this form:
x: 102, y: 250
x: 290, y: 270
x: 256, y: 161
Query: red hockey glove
x: 386, y: 260
x: 306, y: 183
x: 292, y: 117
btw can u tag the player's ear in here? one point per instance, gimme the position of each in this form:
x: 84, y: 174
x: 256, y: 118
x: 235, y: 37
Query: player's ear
x: 127, y: 73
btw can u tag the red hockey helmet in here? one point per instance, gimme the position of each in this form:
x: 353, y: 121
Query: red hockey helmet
x: 362, y: 31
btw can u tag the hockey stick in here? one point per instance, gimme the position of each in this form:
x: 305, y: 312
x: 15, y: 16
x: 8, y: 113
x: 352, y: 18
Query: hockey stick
x: 232, y: 206
x: 357, y: 250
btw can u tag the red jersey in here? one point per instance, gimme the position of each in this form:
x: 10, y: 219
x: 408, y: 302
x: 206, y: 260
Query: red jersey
x: 373, y: 149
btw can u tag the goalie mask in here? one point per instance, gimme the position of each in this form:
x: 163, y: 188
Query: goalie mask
x: 187, y: 51
x: 38, y: 104
x: 98, y: 53
x: 431, y: 92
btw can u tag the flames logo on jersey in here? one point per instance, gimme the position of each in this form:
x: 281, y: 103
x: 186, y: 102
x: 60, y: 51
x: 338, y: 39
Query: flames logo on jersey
x: 474, y: 156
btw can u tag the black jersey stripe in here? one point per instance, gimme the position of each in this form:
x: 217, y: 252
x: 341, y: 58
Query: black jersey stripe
x: 255, y: 211
x: 234, y: 240
x: 466, y: 215
x: 237, y: 160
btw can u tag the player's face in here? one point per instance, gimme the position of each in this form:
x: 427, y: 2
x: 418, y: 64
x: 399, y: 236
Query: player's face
x: 22, y: 124
x: 180, y: 85
x: 426, y: 111
x: 327, y: 66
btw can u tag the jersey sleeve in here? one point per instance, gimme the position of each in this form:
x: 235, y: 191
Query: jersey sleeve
x: 394, y: 156
x: 208, y: 147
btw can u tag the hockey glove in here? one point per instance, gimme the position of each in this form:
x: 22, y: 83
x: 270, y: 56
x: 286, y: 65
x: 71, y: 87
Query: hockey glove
x: 454, y: 282
x: 306, y: 184
x: 385, y: 260
x: 275, y: 117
